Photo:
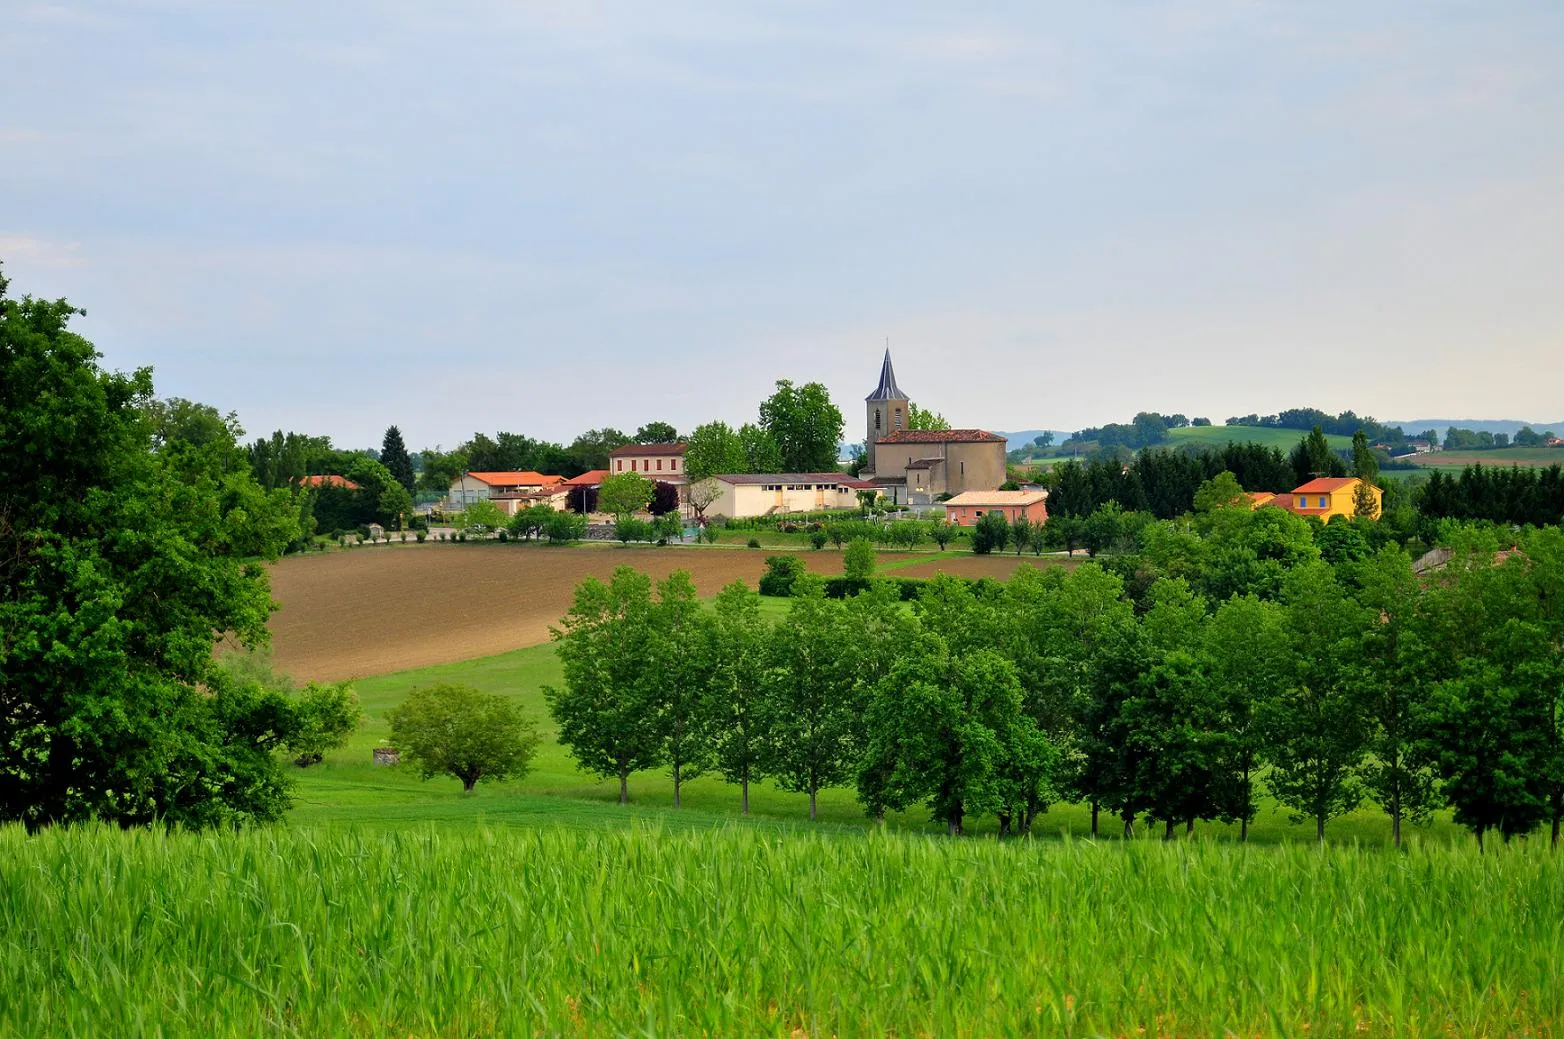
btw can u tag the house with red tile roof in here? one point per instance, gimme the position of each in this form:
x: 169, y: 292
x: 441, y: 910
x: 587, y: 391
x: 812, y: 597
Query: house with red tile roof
x: 1327, y: 497
x: 328, y: 480
x: 471, y: 487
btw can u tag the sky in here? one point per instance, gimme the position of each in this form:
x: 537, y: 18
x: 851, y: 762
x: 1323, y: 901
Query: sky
x: 543, y: 217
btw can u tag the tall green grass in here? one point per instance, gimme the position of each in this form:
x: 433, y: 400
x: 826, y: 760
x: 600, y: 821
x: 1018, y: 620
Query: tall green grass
x: 739, y: 932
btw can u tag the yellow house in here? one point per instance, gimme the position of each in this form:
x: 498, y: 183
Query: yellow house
x: 1330, y: 496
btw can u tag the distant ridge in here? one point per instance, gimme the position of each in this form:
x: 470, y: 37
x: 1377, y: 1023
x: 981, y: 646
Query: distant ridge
x: 1026, y: 436
x: 1482, y: 425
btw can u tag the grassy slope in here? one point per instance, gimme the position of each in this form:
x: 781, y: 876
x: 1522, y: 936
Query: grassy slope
x: 1503, y: 457
x: 346, y: 788
x: 1215, y: 436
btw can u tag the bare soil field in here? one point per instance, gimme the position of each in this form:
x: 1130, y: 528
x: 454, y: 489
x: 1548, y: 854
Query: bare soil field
x: 369, y: 611
x: 1503, y: 457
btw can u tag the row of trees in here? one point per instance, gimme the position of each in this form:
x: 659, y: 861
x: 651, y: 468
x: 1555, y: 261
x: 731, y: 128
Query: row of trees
x: 1495, y: 495
x: 1352, y: 683
x: 1345, y: 424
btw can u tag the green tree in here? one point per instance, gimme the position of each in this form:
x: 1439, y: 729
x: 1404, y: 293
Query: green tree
x: 1021, y: 534
x: 1395, y: 694
x: 531, y: 522
x: 393, y: 455
x: 328, y: 713
x: 734, y: 692
x: 1100, y: 530
x: 483, y: 517
x: 1317, y: 729
x: 942, y: 532
x: 1364, y: 465
x: 624, y: 494
x: 858, y: 560
x: 455, y: 730
x: 1249, y: 660
x: 440, y: 469
x: 121, y: 563
x: 1222, y: 491
x: 564, y: 527
x: 810, y: 696
x: 177, y: 420
x: 1044, y: 440
x: 657, y: 433
x: 609, y: 710
x: 918, y: 418
x: 762, y: 453
x: 805, y: 425
x: 713, y: 449
x: 590, y: 450
x: 991, y: 533
x: 680, y: 665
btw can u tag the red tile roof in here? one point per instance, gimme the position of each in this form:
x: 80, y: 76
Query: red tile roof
x: 1326, y: 484
x: 639, y: 450
x: 331, y: 480
x: 526, y: 479
x: 925, y: 463
x: 750, y: 479
x: 942, y: 436
x: 588, y: 479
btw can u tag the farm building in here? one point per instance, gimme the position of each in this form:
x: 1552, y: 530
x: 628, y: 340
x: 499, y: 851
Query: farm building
x: 329, y: 480
x: 965, y: 509
x: 471, y: 487
x: 743, y: 495
x: 663, y: 462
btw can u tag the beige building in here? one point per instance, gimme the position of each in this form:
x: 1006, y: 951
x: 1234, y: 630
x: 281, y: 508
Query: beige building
x: 743, y: 495
x: 663, y: 462
x: 964, y: 510
x: 918, y: 466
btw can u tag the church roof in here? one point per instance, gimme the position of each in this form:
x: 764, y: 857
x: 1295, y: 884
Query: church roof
x: 887, y: 390
x: 941, y: 436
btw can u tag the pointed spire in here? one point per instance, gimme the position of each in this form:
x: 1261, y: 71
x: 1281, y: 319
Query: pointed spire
x: 887, y: 390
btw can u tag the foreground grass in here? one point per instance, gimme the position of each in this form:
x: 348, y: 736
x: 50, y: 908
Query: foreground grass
x: 347, y: 789
x: 737, y: 932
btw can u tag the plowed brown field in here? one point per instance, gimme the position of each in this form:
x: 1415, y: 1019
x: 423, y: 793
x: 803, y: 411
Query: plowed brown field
x: 368, y: 611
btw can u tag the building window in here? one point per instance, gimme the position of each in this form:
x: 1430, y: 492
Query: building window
x: 659, y: 465
x: 1303, y: 503
x: 1322, y: 502
x: 619, y: 465
x: 876, y: 420
x: 674, y: 464
x: 897, y: 413
x: 963, y: 468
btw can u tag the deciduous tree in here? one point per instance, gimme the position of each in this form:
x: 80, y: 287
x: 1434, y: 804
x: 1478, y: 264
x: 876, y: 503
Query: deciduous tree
x: 458, y: 731
x: 805, y: 425
x: 624, y: 494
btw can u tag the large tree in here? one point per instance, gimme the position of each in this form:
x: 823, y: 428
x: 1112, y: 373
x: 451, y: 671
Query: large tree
x: 609, y: 710
x: 122, y: 560
x: 624, y: 494
x: 458, y: 731
x: 393, y: 455
x: 806, y: 426
x: 734, y: 704
x: 713, y: 449
x: 657, y: 433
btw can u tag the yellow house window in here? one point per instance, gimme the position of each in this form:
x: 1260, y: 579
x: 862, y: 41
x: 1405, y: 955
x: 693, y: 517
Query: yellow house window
x: 1324, y: 502
x: 1303, y: 503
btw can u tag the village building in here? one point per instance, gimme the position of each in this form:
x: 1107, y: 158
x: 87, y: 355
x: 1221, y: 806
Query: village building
x: 329, y: 480
x: 663, y: 462
x: 1324, y: 498
x: 965, y: 509
x: 745, y: 495
x: 471, y: 487
x: 922, y: 466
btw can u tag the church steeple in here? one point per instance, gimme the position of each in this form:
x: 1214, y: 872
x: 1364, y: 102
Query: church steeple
x: 886, y: 409
x: 887, y: 390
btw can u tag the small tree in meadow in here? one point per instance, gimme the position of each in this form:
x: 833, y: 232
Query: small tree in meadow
x: 943, y: 533
x: 458, y: 731
x: 990, y: 533
x: 1021, y: 534
x: 327, y: 713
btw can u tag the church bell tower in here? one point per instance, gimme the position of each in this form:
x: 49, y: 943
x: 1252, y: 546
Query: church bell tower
x: 886, y: 408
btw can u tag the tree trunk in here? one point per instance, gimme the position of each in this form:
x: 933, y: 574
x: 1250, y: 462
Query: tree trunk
x: 1395, y: 825
x: 812, y: 804
x: 1243, y: 828
x: 1004, y: 824
x: 1129, y: 825
x: 624, y: 785
x: 1554, y: 844
x: 744, y: 787
x: 1319, y: 829
x: 1480, y: 842
x: 1243, y: 809
x: 1095, y: 808
x: 677, y: 782
x: 1189, y: 826
x: 1167, y: 834
x: 468, y: 782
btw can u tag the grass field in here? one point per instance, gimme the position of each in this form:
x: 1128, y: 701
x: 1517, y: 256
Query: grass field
x: 1215, y: 436
x: 649, y: 932
x: 1503, y: 457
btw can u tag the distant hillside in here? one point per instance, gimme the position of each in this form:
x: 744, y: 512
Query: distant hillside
x: 1024, y: 437
x: 1482, y: 425
x: 1269, y: 436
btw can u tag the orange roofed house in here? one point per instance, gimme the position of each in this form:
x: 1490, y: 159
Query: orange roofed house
x: 501, y: 488
x: 1327, y: 497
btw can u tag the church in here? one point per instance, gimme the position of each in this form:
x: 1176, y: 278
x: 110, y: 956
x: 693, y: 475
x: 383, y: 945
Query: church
x: 922, y: 466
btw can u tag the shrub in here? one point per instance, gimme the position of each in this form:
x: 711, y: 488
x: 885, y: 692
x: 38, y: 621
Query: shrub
x: 421, y: 535
x: 753, y: 543
x: 628, y: 528
x: 858, y: 561
x: 564, y: 527
x: 504, y: 535
x: 782, y: 572
x: 709, y: 534
x: 818, y: 539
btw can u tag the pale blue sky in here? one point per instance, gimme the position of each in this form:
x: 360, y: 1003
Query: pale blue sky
x: 542, y: 217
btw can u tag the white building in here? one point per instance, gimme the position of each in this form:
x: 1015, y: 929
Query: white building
x: 742, y: 495
x: 471, y: 487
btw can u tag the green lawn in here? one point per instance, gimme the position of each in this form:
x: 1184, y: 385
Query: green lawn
x: 1216, y: 436
x: 348, y: 789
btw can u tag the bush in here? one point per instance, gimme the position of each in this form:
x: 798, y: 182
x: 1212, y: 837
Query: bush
x: 628, y: 529
x: 327, y: 713
x: 709, y: 534
x: 818, y: 539
x: 504, y: 535
x: 782, y: 572
x: 421, y: 535
x: 846, y: 587
x: 753, y: 543
x: 564, y: 527
x: 858, y: 560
